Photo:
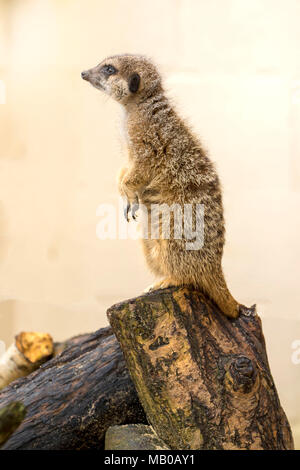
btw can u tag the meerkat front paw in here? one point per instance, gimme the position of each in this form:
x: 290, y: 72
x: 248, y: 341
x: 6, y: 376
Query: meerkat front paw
x: 130, y: 197
x: 130, y: 207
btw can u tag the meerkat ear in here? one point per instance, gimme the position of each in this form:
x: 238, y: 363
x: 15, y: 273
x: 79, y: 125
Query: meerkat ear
x: 134, y: 82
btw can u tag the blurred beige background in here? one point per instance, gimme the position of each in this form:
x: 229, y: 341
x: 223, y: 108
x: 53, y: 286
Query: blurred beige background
x: 233, y: 69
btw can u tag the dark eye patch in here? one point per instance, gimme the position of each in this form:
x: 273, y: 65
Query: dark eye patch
x: 134, y: 82
x: 109, y: 69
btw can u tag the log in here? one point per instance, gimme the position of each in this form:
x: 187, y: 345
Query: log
x: 73, y: 398
x: 203, y: 379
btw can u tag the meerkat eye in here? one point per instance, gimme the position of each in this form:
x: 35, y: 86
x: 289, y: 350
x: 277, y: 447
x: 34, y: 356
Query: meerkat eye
x: 109, y: 69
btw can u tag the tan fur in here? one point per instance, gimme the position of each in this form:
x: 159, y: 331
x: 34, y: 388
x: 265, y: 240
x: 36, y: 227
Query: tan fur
x: 167, y: 164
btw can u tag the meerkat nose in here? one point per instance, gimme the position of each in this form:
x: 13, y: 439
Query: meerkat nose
x: 85, y: 75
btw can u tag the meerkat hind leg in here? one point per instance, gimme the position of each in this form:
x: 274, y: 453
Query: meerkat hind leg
x: 163, y: 284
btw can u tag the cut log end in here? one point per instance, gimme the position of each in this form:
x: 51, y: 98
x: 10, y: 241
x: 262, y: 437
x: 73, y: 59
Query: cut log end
x: 25, y: 355
x: 35, y: 347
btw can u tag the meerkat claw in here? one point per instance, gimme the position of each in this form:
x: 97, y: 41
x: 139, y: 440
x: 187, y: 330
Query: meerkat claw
x: 126, y: 210
x: 134, y: 209
x: 131, y: 208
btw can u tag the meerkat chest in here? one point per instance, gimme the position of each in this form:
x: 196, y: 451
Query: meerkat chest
x: 123, y: 126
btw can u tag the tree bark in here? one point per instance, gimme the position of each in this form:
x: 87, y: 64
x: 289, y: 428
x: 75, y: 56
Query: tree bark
x: 72, y: 399
x: 203, y: 379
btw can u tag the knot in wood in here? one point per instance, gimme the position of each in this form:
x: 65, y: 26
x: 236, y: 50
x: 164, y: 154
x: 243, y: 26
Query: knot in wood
x: 243, y: 373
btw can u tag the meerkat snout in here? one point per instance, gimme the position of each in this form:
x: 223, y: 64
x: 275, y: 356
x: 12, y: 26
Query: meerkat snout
x: 85, y: 75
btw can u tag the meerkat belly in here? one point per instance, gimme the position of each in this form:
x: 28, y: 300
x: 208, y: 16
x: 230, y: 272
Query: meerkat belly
x: 193, y: 222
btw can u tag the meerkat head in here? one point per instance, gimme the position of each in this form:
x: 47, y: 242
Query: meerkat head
x: 126, y: 78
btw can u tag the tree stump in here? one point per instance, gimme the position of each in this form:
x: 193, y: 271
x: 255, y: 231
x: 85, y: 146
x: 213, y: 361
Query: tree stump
x: 203, y: 379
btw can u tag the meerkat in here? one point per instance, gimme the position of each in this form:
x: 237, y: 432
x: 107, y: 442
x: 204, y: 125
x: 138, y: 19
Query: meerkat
x: 167, y: 165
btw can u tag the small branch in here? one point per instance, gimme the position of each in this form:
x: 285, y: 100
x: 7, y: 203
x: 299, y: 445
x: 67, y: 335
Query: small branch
x: 28, y: 352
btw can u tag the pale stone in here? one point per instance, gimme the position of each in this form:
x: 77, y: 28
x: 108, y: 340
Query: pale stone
x: 133, y: 437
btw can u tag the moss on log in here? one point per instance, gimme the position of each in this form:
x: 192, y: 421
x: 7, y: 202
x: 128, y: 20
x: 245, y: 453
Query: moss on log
x: 203, y: 379
x: 11, y: 417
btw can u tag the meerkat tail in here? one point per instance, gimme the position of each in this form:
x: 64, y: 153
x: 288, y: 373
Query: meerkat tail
x: 216, y: 288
